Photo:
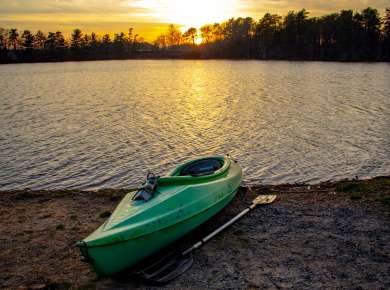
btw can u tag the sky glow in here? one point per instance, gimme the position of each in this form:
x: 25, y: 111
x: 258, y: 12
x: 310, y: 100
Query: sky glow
x: 150, y: 17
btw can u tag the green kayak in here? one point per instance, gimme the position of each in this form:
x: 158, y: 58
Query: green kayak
x: 160, y: 212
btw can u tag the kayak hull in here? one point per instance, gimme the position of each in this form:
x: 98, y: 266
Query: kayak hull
x: 137, y: 229
x: 114, y: 258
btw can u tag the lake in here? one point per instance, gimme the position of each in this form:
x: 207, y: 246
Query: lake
x: 104, y: 124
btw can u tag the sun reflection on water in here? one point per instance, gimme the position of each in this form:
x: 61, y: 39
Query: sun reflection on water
x: 105, y: 124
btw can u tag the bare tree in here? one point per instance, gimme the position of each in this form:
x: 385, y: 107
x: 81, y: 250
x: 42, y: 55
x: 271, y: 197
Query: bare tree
x: 13, y: 38
x: 3, y: 39
x: 39, y: 40
x: 191, y: 34
x: 174, y: 35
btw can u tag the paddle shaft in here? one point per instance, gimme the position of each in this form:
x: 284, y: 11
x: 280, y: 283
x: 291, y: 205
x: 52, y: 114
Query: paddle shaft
x: 220, y: 229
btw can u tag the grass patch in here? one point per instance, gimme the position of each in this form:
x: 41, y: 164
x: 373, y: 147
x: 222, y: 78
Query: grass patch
x: 26, y: 195
x: 356, y: 196
x: 377, y: 189
x: 89, y: 286
x: 59, y: 286
x: 384, y: 199
x: 349, y: 187
x: 374, y: 185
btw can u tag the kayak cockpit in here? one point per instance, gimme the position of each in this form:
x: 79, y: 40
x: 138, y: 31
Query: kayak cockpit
x: 201, y: 167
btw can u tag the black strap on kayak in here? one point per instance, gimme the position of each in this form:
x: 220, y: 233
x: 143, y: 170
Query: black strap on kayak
x: 147, y: 191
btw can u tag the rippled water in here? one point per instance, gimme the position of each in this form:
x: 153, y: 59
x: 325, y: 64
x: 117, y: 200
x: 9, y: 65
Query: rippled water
x: 104, y: 124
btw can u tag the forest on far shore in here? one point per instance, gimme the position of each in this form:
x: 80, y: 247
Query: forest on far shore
x: 343, y: 36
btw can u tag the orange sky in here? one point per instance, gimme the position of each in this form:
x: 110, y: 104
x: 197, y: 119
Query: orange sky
x: 150, y: 17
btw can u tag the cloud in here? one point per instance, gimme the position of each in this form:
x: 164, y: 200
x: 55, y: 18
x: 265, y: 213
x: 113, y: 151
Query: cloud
x: 149, y: 7
x: 257, y: 8
x: 69, y: 7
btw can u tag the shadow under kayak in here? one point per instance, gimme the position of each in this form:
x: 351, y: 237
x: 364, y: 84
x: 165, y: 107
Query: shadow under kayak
x: 161, y: 212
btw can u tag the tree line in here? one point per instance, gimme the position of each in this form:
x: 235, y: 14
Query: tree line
x: 21, y: 46
x: 344, y: 36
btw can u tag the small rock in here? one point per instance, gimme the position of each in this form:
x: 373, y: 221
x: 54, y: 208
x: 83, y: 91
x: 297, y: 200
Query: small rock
x: 38, y: 287
x: 105, y: 215
x: 253, y: 284
x: 60, y: 227
x: 45, y: 216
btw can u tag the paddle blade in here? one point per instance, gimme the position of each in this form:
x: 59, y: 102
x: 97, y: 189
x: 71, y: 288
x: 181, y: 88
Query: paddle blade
x: 264, y: 199
x: 167, y: 268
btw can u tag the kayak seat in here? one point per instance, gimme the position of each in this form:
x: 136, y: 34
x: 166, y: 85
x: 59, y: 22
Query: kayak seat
x: 201, y: 167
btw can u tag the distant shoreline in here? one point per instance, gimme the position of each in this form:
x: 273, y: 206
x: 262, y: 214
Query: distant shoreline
x: 162, y: 57
x: 20, y: 193
x: 346, y: 36
x: 28, y: 193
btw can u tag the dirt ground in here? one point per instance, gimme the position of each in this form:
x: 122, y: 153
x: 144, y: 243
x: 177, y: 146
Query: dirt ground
x: 327, y: 236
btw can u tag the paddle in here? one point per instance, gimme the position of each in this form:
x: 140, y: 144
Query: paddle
x: 174, y: 264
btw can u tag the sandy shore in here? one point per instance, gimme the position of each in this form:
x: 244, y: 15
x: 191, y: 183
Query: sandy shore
x: 327, y: 236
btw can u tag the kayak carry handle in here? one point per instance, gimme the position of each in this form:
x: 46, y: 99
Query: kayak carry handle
x: 82, y: 245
